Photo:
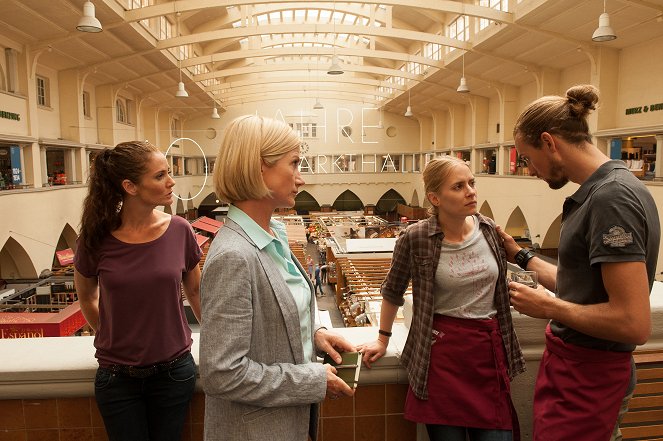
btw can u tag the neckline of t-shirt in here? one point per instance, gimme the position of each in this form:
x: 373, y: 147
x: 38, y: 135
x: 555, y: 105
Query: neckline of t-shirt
x: 466, y: 242
x: 170, y: 223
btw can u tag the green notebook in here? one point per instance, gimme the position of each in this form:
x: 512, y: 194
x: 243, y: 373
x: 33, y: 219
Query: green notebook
x: 348, y: 369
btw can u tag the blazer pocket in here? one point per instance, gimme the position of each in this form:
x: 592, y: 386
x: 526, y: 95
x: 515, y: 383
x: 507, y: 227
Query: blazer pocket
x: 276, y: 423
x: 258, y: 413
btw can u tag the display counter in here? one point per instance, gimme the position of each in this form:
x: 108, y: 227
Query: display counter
x: 60, y: 369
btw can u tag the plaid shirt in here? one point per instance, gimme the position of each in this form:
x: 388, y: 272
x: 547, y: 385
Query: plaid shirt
x: 416, y: 255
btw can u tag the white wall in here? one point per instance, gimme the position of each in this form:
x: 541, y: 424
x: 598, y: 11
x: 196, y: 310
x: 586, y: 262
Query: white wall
x: 640, y: 84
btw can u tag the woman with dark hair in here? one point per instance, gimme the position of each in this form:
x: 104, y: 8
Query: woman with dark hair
x: 457, y: 265
x: 132, y: 264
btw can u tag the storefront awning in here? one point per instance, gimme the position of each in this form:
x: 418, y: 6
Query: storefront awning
x: 210, y: 221
x: 201, y: 239
x: 198, y: 224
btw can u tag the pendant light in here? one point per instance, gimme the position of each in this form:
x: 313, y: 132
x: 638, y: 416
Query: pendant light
x: 462, y: 87
x: 88, y: 22
x: 335, y: 68
x: 215, y: 113
x: 318, y: 105
x: 380, y: 125
x: 181, y: 91
x: 408, y: 111
x: 604, y: 32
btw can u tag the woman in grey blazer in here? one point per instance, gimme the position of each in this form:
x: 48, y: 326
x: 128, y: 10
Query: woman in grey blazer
x: 259, y: 338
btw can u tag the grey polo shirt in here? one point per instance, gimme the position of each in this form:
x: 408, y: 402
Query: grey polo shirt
x: 612, y: 217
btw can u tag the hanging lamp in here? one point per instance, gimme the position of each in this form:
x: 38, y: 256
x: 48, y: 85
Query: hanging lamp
x: 181, y: 91
x: 408, y: 111
x: 335, y: 68
x: 462, y: 87
x: 604, y: 32
x: 89, y: 22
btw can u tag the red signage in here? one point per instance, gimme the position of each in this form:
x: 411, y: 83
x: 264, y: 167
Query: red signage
x: 42, y: 324
x: 65, y: 257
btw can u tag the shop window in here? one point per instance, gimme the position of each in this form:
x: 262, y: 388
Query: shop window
x: 517, y: 164
x: 305, y: 130
x: 178, y: 168
x: 464, y: 155
x: 639, y: 155
x: 488, y: 161
x: 191, y: 166
x: 86, y: 105
x: 11, y: 167
x: 120, y: 111
x: 55, y: 167
x: 43, y: 92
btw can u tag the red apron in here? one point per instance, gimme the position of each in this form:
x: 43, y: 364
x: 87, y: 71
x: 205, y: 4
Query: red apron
x: 468, y: 384
x: 578, y: 391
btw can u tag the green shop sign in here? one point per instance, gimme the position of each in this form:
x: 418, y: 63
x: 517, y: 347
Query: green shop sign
x: 10, y: 115
x: 644, y: 109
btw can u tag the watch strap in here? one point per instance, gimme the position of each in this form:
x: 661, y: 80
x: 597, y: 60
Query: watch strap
x: 523, y: 257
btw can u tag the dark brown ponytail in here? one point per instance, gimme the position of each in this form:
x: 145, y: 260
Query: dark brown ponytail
x: 101, y: 208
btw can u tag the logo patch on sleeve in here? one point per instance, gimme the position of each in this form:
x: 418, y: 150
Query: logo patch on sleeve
x: 617, y: 237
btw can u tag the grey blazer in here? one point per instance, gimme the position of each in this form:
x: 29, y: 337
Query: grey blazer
x: 257, y: 384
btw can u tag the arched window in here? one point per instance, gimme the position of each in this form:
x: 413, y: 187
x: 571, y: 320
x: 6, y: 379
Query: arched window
x: 120, y: 111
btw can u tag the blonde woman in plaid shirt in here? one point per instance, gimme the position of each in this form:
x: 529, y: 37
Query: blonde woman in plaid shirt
x: 462, y: 350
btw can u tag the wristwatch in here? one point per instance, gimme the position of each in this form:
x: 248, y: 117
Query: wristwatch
x: 522, y: 257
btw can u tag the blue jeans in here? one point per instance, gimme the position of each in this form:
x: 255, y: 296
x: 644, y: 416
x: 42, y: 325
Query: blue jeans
x: 146, y: 409
x: 437, y: 432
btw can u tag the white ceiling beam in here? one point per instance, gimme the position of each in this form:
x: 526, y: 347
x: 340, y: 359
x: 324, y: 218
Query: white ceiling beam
x: 303, y: 67
x: 243, y: 32
x: 312, y: 51
x: 322, y: 80
x: 447, y: 6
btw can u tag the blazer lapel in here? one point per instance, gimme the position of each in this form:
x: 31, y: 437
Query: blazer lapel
x: 282, y: 294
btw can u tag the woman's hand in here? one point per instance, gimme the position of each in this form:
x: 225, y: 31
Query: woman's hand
x: 372, y: 352
x: 335, y: 386
x: 332, y: 343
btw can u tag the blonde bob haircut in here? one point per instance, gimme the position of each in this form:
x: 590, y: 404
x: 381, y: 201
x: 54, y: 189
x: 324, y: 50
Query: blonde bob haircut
x: 249, y: 142
x: 436, y: 173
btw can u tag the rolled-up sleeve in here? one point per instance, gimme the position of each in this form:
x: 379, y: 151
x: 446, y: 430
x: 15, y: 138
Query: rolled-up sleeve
x: 398, y: 278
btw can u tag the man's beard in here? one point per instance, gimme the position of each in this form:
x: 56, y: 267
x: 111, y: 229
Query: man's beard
x: 557, y: 179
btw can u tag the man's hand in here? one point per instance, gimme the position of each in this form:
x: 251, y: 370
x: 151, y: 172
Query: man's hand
x: 534, y: 302
x: 510, y: 245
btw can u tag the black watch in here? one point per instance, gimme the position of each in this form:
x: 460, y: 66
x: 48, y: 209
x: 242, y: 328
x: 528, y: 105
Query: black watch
x: 522, y: 257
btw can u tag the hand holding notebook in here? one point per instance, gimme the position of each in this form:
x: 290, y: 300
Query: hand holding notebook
x: 348, y: 369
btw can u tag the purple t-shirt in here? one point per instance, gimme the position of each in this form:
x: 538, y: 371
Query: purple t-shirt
x: 141, y: 315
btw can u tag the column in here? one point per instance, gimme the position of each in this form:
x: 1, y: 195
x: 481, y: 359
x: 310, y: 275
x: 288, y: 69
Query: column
x: 658, y: 172
x: 43, y: 163
x: 32, y: 165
